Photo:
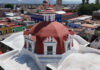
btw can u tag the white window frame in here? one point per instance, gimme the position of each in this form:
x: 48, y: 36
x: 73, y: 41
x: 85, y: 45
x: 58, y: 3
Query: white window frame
x: 31, y: 42
x: 66, y: 45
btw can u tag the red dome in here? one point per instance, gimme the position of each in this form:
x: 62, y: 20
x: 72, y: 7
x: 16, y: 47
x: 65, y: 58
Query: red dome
x: 44, y: 30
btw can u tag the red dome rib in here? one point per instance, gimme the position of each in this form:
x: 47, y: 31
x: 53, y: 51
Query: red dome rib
x: 46, y: 29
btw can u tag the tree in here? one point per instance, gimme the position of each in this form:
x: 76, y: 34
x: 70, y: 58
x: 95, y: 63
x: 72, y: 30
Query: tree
x: 83, y: 1
x: 87, y: 1
x: 9, y: 6
x: 97, y: 2
x: 22, y: 11
x: 87, y: 9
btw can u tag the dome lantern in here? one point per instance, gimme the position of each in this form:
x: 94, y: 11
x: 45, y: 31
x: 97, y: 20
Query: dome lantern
x: 49, y: 15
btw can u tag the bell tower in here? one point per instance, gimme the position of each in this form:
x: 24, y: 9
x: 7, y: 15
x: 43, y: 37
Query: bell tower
x: 58, y: 4
x: 45, y: 4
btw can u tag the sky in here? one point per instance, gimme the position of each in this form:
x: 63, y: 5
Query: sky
x: 76, y: 1
x: 40, y: 1
x: 72, y: 1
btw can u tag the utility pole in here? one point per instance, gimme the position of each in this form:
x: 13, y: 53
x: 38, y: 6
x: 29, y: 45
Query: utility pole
x: 87, y: 1
x: 97, y: 1
x: 83, y: 1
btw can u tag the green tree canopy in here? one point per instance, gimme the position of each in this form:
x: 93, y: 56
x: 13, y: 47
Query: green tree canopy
x: 22, y: 11
x: 97, y: 2
x: 9, y: 6
x: 88, y: 8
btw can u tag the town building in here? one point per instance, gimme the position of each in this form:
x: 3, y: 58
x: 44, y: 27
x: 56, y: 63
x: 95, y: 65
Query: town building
x: 17, y: 6
x: 96, y: 15
x: 96, y: 43
x: 14, y: 22
x: 97, y: 31
x: 77, y: 21
x: 61, y: 16
x: 4, y: 29
x: 88, y: 28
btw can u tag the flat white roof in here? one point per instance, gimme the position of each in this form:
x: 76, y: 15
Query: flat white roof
x: 17, y: 62
x: 15, y: 41
x: 60, y: 12
x: 15, y: 17
x: 79, y: 61
x: 82, y: 17
x: 10, y: 14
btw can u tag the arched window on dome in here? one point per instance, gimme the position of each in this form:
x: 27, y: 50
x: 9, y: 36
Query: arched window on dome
x: 68, y: 44
x: 29, y: 43
x: 68, y: 47
x: 49, y: 50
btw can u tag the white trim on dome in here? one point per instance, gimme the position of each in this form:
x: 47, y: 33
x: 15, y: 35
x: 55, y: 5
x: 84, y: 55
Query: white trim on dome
x: 68, y: 45
x: 29, y: 42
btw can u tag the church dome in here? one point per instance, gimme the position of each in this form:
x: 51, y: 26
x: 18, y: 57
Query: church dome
x: 44, y: 30
x: 49, y: 35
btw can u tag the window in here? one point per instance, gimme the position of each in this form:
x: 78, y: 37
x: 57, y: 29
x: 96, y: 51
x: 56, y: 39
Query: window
x: 23, y: 28
x: 69, y: 25
x: 13, y: 30
x: 0, y: 32
x: 75, y: 26
x: 30, y: 47
x: 49, y: 18
x: 68, y: 48
x: 6, y: 31
x: 49, y: 50
x: 92, y: 28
